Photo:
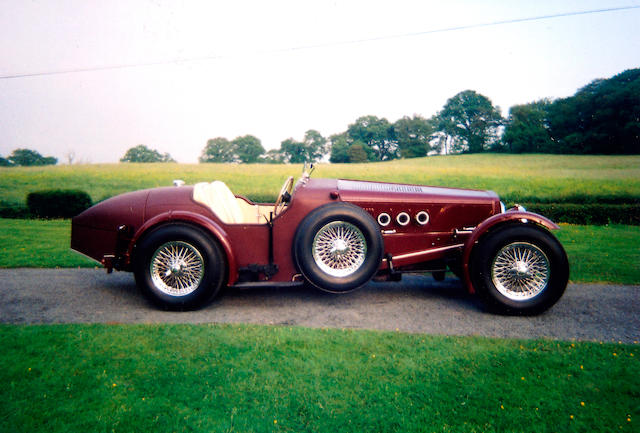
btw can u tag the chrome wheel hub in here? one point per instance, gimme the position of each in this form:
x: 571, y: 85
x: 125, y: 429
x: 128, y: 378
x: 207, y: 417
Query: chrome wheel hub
x: 520, y: 271
x: 176, y: 268
x: 339, y: 249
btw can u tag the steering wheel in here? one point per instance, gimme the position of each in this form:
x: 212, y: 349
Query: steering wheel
x: 286, y: 189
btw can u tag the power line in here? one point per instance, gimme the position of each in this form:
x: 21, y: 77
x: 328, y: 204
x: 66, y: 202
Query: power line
x: 465, y: 27
x: 317, y: 46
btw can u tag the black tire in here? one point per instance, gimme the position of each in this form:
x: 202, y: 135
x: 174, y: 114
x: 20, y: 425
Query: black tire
x: 197, y: 274
x: 358, y: 236
x: 519, y: 270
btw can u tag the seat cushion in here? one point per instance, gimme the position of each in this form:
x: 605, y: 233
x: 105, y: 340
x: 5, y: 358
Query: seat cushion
x: 218, y: 197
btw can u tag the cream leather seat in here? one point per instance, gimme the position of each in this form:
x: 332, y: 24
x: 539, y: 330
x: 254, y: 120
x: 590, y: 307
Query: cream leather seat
x: 219, y: 198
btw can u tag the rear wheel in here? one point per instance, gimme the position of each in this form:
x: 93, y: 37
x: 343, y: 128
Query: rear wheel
x: 520, y: 270
x: 179, y: 267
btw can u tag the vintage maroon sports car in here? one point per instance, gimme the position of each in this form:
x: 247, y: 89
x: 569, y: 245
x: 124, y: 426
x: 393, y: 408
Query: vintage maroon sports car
x: 184, y: 243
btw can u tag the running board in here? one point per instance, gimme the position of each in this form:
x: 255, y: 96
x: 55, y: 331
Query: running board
x: 274, y: 284
x: 422, y: 256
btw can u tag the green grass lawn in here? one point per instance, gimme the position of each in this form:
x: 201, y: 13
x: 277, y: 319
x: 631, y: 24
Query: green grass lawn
x: 38, y: 244
x: 515, y: 177
x: 213, y: 378
x: 602, y: 253
x: 596, y: 253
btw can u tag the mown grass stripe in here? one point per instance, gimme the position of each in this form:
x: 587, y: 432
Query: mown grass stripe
x: 259, y: 378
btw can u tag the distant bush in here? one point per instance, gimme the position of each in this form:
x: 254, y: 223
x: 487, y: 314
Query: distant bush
x: 57, y: 203
x: 591, y: 213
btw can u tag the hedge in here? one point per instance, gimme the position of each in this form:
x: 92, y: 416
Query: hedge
x: 585, y: 214
x: 577, y: 199
x: 57, y: 203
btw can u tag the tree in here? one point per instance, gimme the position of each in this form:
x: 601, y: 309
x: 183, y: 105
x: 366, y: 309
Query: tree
x: 28, y: 157
x: 247, y: 148
x: 5, y: 162
x: 292, y: 151
x: 142, y: 153
x: 311, y: 149
x: 357, y: 153
x: 413, y: 135
x: 339, y: 148
x: 471, y: 121
x: 218, y: 150
x: 527, y: 128
x: 441, y: 142
x: 315, y: 145
x: 602, y: 117
x: 377, y: 135
x: 273, y: 156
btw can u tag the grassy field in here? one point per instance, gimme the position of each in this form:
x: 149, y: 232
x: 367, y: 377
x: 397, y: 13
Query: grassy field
x: 519, y: 178
x: 212, y: 378
x: 38, y: 243
x: 602, y: 253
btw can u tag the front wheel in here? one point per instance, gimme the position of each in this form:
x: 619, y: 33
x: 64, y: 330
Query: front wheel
x: 179, y: 267
x: 520, y: 270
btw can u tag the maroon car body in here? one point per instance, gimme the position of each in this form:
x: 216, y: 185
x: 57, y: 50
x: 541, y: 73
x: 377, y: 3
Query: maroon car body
x: 325, y: 232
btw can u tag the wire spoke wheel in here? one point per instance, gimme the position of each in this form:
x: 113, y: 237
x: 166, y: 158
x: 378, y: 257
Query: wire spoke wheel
x: 339, y: 249
x: 176, y: 268
x: 520, y: 271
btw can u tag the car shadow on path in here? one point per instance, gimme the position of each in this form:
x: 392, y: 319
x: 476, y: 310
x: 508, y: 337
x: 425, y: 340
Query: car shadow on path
x: 415, y: 288
x: 120, y: 288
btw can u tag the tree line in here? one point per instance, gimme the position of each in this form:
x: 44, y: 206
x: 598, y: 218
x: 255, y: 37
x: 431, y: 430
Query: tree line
x: 27, y: 157
x: 601, y: 118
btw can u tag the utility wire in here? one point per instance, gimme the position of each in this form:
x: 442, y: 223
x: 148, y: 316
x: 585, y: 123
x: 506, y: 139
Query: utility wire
x: 316, y: 46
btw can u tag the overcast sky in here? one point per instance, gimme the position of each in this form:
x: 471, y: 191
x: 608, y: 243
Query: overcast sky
x: 275, y: 69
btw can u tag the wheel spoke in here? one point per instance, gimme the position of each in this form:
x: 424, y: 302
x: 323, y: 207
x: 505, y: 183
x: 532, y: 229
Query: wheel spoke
x: 339, y: 249
x: 177, y: 268
x: 520, y: 271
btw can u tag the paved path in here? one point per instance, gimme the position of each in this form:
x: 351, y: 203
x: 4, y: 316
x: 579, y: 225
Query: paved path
x: 417, y: 304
